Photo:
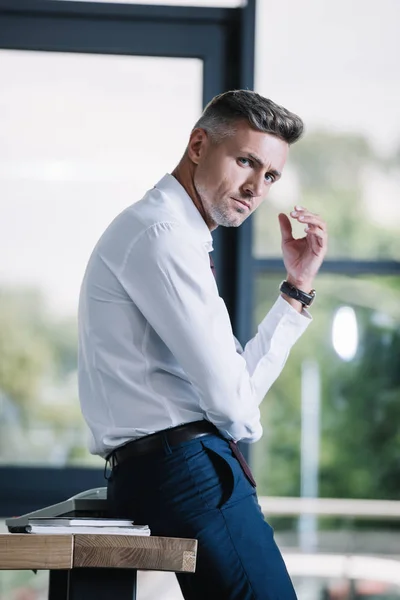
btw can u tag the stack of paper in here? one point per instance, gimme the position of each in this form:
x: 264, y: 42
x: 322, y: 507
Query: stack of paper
x: 60, y: 525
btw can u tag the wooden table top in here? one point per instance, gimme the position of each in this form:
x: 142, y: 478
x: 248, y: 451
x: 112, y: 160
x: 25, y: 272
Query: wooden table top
x: 41, y: 551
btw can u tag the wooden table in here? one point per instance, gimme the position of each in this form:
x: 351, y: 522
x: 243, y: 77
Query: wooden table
x: 98, y: 567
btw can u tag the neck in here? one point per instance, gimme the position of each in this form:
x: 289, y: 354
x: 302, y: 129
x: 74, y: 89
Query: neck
x: 184, y: 173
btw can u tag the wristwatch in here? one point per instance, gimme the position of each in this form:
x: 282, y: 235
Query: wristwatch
x: 294, y: 292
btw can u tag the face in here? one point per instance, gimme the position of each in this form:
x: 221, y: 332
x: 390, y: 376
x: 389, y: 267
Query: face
x: 234, y: 176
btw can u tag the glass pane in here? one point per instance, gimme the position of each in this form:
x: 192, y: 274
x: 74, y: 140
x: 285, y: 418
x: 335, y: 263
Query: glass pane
x: 343, y: 80
x: 350, y: 559
x: 347, y: 363
x: 84, y: 136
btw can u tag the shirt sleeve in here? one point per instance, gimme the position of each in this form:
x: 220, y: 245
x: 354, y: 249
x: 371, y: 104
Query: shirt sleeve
x: 267, y: 352
x: 168, y: 277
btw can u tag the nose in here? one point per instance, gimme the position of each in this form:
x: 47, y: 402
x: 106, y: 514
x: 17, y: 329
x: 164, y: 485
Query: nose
x: 254, y: 186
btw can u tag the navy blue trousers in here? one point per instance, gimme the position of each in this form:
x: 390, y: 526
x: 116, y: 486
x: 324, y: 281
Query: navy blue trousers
x: 198, y: 490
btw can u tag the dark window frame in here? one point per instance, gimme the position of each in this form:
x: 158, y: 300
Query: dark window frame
x: 340, y: 266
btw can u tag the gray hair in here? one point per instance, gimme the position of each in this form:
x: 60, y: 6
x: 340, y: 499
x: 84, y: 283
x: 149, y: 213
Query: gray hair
x: 225, y: 110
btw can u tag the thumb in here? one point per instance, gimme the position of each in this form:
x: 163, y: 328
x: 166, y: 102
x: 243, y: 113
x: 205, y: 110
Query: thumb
x: 286, y: 228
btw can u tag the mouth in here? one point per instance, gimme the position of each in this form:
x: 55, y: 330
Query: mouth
x: 242, y: 202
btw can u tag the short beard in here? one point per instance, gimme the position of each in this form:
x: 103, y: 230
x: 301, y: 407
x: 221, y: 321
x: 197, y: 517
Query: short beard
x: 218, y: 214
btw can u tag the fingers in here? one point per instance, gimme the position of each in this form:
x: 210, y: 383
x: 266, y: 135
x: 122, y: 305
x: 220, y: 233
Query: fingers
x: 315, y: 229
x: 286, y: 228
x: 305, y: 216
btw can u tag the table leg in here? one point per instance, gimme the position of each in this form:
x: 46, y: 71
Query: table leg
x: 58, y: 584
x: 101, y: 584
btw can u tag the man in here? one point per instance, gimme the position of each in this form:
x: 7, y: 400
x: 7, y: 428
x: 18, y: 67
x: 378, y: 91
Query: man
x: 164, y: 386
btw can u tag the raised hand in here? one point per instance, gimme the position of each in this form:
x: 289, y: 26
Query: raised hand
x: 303, y: 256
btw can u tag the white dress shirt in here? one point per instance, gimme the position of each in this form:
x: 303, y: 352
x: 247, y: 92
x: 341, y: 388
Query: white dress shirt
x: 156, y: 347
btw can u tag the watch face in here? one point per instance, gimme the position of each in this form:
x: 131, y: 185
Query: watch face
x: 312, y: 294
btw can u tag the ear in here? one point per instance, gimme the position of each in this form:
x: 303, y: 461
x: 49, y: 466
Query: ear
x: 197, y: 145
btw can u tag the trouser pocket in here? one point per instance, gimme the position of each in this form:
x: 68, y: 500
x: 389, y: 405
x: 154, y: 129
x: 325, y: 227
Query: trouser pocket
x: 212, y: 475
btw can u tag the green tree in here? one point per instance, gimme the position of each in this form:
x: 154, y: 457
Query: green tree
x: 38, y: 361
x: 25, y: 356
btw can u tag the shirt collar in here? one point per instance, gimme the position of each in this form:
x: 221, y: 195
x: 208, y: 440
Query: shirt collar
x: 186, y: 208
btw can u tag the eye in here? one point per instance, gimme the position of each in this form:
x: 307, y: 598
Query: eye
x: 245, y: 161
x: 269, y: 178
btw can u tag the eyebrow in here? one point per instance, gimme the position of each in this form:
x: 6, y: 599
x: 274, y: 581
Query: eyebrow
x: 256, y: 159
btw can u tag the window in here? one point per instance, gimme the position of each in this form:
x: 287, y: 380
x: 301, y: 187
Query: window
x: 82, y: 143
x: 341, y: 78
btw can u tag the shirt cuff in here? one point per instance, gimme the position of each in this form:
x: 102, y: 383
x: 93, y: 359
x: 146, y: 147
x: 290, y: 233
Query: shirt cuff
x: 283, y: 317
x: 302, y: 314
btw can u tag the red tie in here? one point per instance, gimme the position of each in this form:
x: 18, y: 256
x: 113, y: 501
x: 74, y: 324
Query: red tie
x: 213, y: 267
x: 246, y: 469
x: 233, y: 445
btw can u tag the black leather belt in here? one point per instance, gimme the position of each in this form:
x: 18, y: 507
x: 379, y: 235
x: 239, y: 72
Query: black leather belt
x: 156, y: 442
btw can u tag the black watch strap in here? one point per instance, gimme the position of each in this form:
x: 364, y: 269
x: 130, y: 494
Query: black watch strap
x: 290, y: 290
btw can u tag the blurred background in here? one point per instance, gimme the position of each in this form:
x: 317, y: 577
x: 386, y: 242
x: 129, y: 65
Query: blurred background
x: 84, y: 134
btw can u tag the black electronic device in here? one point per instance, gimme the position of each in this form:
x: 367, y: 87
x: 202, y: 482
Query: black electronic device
x: 90, y: 503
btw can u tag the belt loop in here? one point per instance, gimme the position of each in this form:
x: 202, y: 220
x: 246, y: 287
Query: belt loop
x: 167, y: 447
x: 111, y: 462
x: 105, y: 474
